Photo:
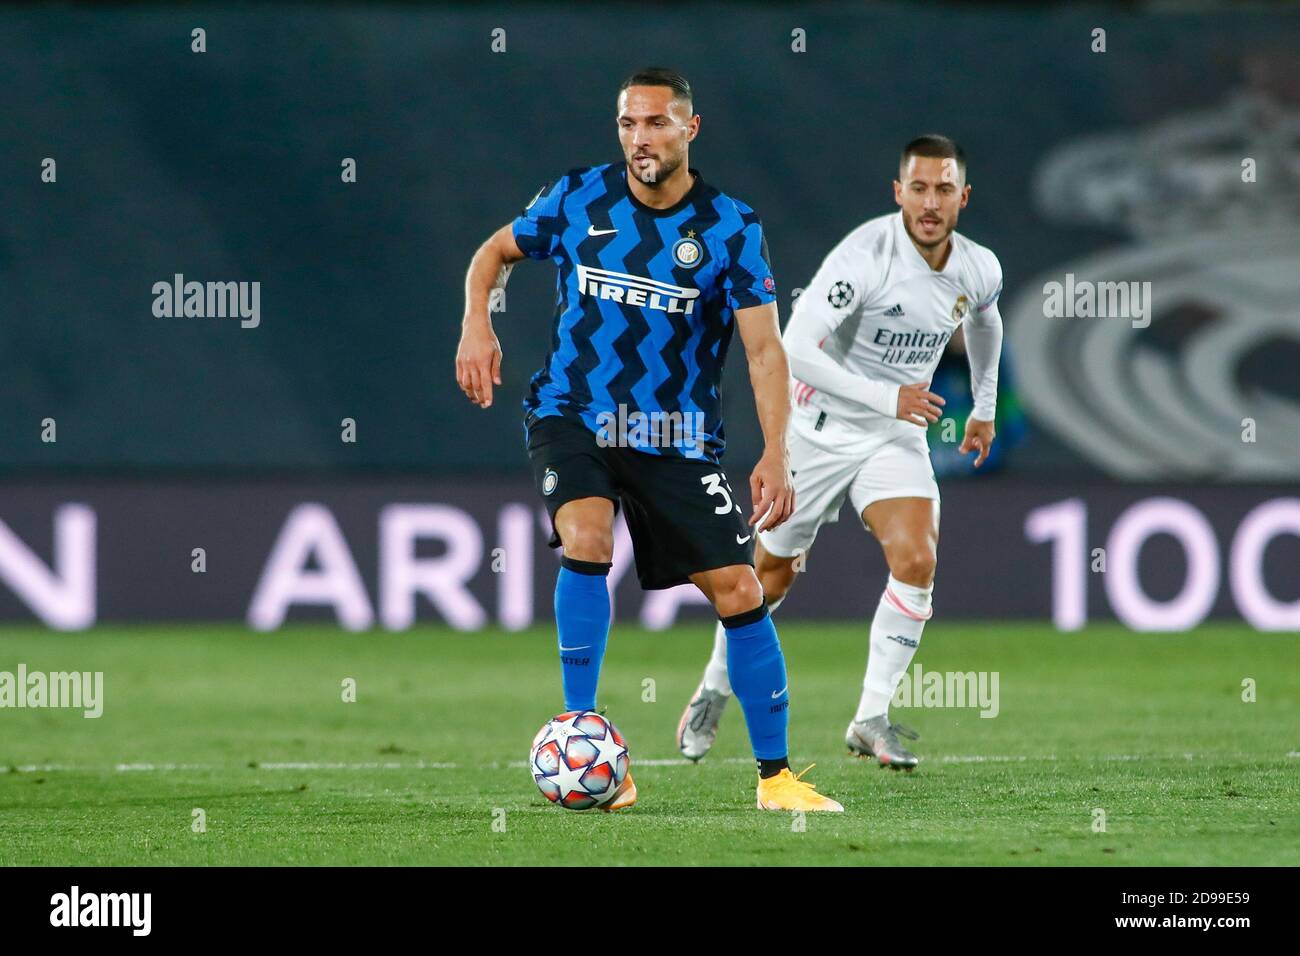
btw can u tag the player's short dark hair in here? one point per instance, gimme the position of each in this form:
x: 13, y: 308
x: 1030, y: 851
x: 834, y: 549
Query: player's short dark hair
x: 934, y: 146
x: 659, y: 76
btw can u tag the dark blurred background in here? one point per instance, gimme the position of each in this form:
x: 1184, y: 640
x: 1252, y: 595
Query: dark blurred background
x: 1107, y: 143
x: 225, y: 166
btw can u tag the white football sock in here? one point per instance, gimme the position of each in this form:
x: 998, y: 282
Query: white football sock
x: 895, y: 633
x: 715, y: 674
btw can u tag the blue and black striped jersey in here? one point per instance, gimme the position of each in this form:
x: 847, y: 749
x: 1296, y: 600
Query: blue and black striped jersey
x: 646, y: 302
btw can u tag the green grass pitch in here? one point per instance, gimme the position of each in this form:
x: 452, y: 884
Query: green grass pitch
x: 252, y: 729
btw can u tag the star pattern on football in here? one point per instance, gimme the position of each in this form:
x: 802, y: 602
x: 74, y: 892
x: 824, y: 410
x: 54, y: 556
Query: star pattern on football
x: 578, y: 760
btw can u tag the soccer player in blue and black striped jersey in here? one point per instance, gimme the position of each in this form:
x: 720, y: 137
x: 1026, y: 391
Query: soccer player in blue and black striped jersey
x: 656, y: 270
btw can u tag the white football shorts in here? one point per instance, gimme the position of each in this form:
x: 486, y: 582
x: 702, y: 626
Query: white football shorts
x: 839, y: 461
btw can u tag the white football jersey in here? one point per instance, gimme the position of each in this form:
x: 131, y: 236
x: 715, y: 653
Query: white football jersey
x: 878, y: 310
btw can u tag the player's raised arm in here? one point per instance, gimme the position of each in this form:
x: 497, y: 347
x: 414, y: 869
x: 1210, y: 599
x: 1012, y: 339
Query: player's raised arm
x: 770, y: 484
x: 836, y: 291
x: 983, y: 329
x: 478, y: 359
x: 534, y: 233
x: 913, y: 403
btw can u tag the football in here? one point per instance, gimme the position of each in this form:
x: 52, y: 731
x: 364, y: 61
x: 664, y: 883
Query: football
x: 578, y: 760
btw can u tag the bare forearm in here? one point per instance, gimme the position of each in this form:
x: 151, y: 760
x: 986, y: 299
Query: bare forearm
x: 478, y: 358
x: 769, y: 374
x: 489, y: 270
x: 770, y: 485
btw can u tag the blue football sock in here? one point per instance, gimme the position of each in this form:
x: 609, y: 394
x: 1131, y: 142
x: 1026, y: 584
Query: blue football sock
x: 582, y: 619
x: 757, y: 669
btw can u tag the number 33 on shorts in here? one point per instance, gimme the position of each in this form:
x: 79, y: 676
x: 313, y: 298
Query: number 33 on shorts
x: 716, y: 484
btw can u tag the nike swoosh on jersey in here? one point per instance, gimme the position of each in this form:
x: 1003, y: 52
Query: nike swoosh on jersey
x: 581, y: 647
x: 740, y: 540
x: 778, y: 693
x: 593, y: 231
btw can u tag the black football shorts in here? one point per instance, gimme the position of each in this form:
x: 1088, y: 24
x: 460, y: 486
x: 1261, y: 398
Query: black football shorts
x: 681, y: 512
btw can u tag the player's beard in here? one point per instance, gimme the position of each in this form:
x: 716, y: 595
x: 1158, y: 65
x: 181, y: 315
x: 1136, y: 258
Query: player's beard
x: 654, y: 172
x: 909, y: 223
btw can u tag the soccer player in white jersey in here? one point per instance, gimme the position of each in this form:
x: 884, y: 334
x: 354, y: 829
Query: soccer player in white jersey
x: 863, y: 342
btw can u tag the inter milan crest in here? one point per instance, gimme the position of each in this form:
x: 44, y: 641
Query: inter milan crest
x: 688, y: 252
x: 840, y: 295
x: 549, y: 481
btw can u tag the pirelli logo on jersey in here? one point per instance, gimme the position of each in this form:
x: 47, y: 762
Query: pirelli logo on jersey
x: 635, y: 290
